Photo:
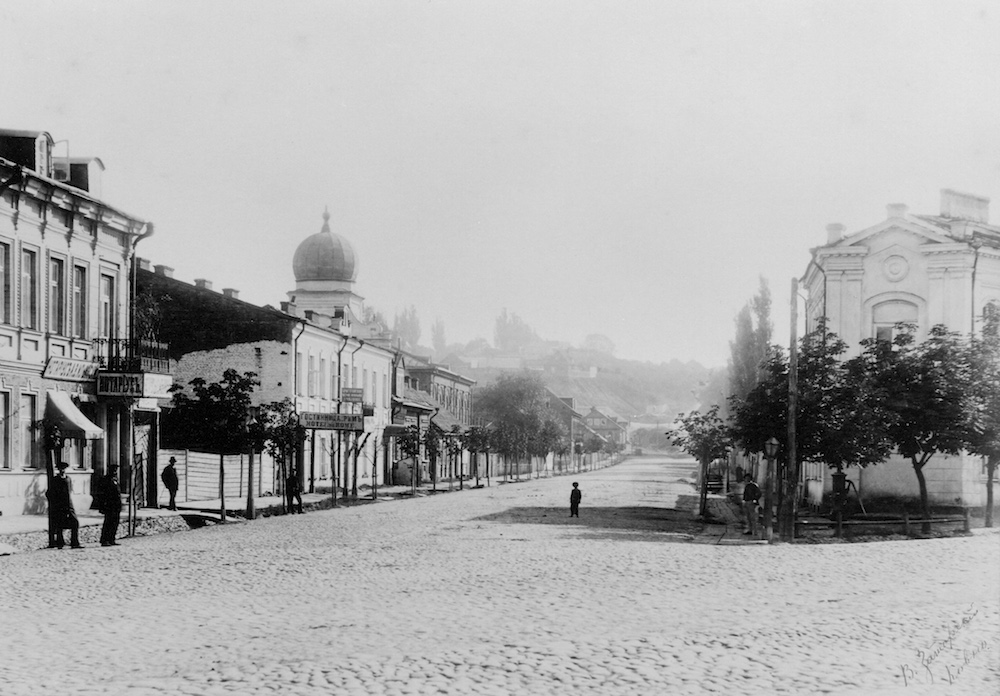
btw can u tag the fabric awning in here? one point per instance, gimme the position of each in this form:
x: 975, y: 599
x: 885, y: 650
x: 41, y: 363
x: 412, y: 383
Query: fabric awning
x: 61, y: 410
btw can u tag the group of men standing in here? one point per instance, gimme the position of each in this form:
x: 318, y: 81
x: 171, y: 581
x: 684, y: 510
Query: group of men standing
x: 62, y: 515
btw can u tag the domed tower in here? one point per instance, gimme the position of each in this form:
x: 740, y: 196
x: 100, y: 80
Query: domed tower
x: 325, y: 267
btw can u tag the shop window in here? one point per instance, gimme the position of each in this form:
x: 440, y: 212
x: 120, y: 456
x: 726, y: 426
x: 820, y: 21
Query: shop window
x: 30, y: 455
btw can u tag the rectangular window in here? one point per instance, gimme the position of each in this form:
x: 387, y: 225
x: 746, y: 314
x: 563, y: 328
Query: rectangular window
x: 334, y: 387
x: 29, y: 435
x: 29, y: 289
x: 5, y: 283
x: 354, y: 376
x: 321, y: 379
x: 313, y: 377
x: 300, y: 377
x: 57, y: 296
x: 107, y: 327
x: 79, y: 302
x: 4, y: 430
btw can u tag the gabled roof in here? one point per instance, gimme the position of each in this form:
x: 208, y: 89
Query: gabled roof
x: 919, y: 227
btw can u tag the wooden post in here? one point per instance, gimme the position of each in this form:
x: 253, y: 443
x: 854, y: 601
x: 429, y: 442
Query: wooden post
x: 906, y: 523
x: 769, y: 501
x: 968, y: 522
x: 222, y: 488
x: 251, y: 511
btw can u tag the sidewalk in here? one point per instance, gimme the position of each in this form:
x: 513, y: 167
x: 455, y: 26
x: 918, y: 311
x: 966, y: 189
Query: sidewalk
x: 30, y: 532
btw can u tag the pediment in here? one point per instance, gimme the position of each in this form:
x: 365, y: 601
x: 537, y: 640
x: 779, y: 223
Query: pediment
x: 894, y: 231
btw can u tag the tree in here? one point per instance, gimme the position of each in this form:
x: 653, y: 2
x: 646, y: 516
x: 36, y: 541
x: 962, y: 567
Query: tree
x: 278, y: 431
x: 511, y: 333
x: 751, y: 346
x: 372, y: 316
x: 599, y: 343
x: 214, y: 417
x: 705, y: 437
x: 516, y: 405
x: 925, y: 388
x: 983, y: 406
x: 437, y: 338
x: 406, y: 327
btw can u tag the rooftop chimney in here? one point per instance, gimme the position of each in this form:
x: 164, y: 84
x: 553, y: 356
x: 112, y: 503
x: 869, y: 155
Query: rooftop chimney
x: 144, y: 264
x: 834, y: 232
x: 231, y: 292
x: 165, y: 271
x: 964, y: 206
x: 203, y: 284
x: 896, y: 210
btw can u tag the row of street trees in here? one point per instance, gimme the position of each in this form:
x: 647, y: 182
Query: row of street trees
x: 217, y: 417
x: 938, y: 396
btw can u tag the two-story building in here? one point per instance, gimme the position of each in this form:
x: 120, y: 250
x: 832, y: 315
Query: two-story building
x: 314, y: 351
x: 69, y: 352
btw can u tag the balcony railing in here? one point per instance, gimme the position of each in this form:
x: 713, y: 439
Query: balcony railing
x: 127, y: 355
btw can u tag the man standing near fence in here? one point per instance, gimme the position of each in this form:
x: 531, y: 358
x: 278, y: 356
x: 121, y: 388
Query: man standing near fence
x: 110, y: 506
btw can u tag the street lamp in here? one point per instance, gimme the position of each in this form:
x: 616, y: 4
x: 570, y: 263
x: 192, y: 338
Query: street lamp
x: 770, y: 452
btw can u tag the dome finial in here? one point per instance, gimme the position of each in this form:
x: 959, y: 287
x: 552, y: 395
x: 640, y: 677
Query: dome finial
x: 326, y: 219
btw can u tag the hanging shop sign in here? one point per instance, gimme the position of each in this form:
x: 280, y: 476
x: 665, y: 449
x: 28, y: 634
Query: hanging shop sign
x: 352, y: 395
x: 70, y: 370
x: 134, y: 384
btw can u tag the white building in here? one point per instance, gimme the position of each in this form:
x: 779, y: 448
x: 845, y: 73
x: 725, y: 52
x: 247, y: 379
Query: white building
x: 65, y: 350
x: 919, y: 269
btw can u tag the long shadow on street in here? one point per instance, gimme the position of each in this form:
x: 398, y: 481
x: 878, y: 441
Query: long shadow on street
x: 614, y: 523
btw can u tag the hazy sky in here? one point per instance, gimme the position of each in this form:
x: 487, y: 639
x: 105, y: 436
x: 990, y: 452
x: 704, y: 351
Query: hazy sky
x: 626, y: 168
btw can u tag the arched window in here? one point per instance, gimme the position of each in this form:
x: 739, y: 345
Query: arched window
x: 886, y: 315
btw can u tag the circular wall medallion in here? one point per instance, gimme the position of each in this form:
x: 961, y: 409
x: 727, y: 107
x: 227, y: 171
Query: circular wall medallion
x: 895, y: 268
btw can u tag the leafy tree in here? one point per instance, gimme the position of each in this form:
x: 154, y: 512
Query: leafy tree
x: 751, y: 346
x: 511, y: 333
x: 516, y: 405
x: 599, y: 343
x: 983, y: 406
x: 406, y: 327
x: 705, y: 437
x: 214, y: 417
x: 925, y: 387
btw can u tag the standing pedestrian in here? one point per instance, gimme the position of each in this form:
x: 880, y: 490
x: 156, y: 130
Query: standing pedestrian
x: 169, y: 478
x: 110, y: 506
x: 61, y: 508
x: 751, y: 494
x: 293, y: 491
x: 574, y: 500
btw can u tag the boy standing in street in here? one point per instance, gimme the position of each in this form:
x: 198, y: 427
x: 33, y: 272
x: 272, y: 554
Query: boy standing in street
x: 574, y: 500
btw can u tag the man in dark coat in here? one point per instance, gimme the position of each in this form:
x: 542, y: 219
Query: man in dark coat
x: 111, y: 506
x: 169, y: 478
x: 293, y: 491
x: 61, y: 508
x: 751, y: 494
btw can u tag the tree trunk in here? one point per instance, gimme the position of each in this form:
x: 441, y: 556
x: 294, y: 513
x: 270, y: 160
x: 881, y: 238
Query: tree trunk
x: 703, y: 498
x: 925, y: 508
x: 991, y: 468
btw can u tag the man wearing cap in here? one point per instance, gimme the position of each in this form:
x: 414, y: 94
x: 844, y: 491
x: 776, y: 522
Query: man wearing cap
x: 169, y: 478
x: 111, y: 506
x: 61, y: 508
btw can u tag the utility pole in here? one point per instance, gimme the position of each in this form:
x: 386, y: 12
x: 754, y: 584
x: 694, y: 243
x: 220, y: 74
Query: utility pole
x: 786, y: 525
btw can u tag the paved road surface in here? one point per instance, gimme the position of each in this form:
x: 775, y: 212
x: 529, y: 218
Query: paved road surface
x: 498, y: 591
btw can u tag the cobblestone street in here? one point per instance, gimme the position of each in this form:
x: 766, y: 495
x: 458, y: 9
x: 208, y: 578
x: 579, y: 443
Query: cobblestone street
x: 499, y: 591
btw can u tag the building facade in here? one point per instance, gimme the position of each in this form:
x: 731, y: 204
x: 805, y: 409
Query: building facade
x: 68, y: 351
x: 318, y: 354
x: 918, y: 269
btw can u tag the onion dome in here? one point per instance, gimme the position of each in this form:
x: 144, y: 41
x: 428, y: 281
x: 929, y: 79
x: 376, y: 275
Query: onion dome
x: 324, y: 256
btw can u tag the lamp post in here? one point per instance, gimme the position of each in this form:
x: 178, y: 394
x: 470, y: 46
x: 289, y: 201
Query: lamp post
x: 770, y: 452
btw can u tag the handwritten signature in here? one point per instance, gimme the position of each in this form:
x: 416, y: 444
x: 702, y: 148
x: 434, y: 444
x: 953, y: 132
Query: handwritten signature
x: 931, y: 669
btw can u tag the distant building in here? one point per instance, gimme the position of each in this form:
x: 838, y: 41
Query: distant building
x: 919, y: 269
x: 315, y: 351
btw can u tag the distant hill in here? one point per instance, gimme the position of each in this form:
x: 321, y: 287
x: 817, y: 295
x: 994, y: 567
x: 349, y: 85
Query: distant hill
x: 635, y: 390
